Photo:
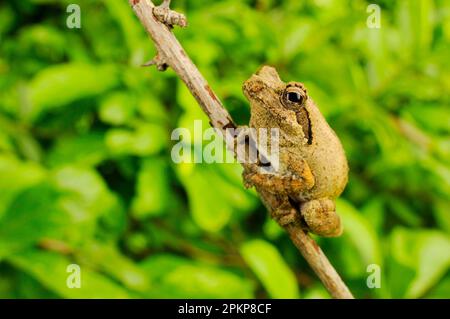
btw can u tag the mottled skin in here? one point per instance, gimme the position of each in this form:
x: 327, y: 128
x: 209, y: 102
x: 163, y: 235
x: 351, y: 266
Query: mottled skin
x: 313, y: 168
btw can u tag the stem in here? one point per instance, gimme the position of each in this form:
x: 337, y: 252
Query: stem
x: 318, y: 262
x: 171, y: 53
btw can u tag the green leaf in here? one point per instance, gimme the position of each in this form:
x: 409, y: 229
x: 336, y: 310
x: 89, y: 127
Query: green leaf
x: 215, y: 192
x: 207, y: 204
x: 317, y: 292
x: 426, y: 252
x: 117, y: 109
x: 175, y: 277
x: 434, y: 262
x: 441, y: 214
x: 86, y: 150
x: 404, y: 212
x: 360, y: 233
x: 152, y: 189
x: 86, y: 198
x: 35, y: 213
x: 272, y: 229
x: 270, y: 268
x: 373, y: 211
x: 110, y: 261
x: 146, y: 139
x: 151, y: 108
x: 85, y: 183
x: 431, y: 116
x: 441, y: 291
x: 5, y: 142
x: 15, y: 177
x: 51, y: 270
x: 60, y: 85
x: 132, y: 31
x: 213, y: 197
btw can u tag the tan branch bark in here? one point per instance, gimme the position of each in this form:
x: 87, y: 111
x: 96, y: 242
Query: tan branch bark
x: 172, y: 54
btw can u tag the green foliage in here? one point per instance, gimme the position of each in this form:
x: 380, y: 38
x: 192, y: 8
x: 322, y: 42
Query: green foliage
x: 94, y: 284
x: 86, y: 175
x: 176, y: 277
x: 269, y: 266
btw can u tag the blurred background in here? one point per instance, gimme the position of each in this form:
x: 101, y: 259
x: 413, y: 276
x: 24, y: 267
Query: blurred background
x: 86, y: 175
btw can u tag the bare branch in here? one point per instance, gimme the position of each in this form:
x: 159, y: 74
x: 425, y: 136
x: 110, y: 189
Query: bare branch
x: 159, y: 61
x: 169, y: 17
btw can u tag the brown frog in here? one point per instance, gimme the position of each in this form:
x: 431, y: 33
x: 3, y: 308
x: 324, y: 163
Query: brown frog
x: 312, y: 170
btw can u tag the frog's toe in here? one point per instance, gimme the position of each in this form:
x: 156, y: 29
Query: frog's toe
x: 286, y: 216
x: 321, y: 217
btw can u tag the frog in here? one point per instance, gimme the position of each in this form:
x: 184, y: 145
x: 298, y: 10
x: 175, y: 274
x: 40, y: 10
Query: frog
x: 312, y: 166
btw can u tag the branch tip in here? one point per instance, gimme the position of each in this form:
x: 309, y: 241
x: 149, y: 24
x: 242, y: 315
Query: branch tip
x: 165, y: 4
x: 167, y: 16
x: 160, y: 63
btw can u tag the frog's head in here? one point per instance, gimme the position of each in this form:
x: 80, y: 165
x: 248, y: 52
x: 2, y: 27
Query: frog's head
x: 265, y: 87
x: 273, y: 101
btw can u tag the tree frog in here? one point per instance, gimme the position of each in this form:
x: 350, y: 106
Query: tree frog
x: 313, y: 168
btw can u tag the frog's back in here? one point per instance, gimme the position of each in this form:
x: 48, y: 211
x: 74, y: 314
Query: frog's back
x: 326, y: 158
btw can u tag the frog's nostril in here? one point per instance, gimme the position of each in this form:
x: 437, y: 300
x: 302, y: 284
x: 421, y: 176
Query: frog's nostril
x: 253, y: 86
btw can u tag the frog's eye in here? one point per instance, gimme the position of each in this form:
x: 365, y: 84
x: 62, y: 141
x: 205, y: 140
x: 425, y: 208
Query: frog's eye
x: 294, y: 97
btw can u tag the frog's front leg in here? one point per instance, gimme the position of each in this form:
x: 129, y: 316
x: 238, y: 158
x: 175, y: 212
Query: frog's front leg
x: 277, y: 184
x: 287, y: 183
x: 321, y: 217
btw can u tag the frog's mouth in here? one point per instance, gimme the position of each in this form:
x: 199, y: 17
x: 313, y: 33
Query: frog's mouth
x: 303, y: 119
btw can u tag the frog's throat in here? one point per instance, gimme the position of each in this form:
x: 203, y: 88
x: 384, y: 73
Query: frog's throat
x: 303, y: 119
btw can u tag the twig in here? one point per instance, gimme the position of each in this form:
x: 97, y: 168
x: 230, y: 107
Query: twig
x: 171, y: 54
x: 318, y: 262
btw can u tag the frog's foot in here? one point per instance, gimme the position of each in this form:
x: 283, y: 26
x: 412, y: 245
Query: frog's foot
x: 321, y: 217
x: 286, y: 217
x: 285, y: 213
x: 281, y: 209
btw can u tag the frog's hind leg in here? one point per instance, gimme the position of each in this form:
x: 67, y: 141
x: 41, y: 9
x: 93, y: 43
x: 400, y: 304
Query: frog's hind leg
x: 281, y: 209
x: 321, y: 217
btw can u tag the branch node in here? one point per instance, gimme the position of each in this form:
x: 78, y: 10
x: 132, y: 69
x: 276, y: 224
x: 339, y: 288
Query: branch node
x: 160, y: 63
x: 169, y: 17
